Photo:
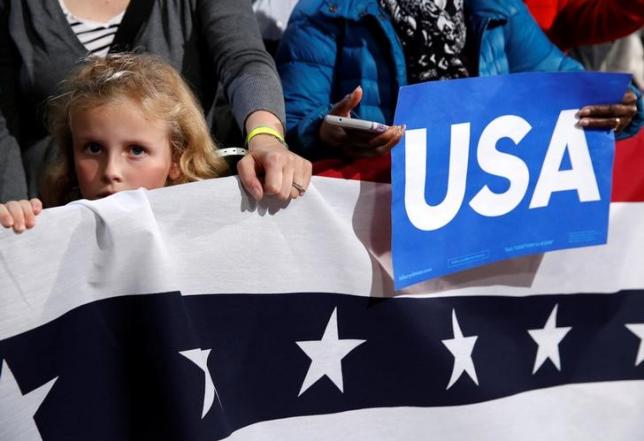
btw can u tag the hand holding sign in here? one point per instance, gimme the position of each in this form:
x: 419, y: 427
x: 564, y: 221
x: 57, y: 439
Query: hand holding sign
x: 609, y: 116
x: 503, y: 174
x: 354, y: 143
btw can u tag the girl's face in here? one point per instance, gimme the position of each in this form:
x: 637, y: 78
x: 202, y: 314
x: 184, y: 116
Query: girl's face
x: 116, y: 148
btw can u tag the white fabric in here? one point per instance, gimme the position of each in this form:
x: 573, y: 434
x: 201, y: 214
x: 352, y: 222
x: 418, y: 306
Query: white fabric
x: 199, y: 238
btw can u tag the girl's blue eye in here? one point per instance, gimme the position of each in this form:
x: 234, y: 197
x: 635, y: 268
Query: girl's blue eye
x: 93, y: 148
x: 137, y: 150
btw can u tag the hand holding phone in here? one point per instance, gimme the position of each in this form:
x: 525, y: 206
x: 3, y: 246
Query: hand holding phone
x: 355, y: 138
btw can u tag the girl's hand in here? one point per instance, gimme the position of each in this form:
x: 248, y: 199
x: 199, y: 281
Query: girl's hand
x: 353, y: 143
x: 609, y: 116
x: 20, y: 215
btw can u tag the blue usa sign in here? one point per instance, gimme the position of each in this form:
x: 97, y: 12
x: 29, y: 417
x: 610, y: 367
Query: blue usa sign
x: 493, y: 168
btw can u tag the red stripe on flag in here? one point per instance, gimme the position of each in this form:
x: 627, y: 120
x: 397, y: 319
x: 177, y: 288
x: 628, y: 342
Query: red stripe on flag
x: 369, y: 169
x: 628, y: 170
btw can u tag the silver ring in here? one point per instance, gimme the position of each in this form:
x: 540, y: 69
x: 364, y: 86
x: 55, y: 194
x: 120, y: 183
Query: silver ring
x: 298, y: 187
x: 617, y: 123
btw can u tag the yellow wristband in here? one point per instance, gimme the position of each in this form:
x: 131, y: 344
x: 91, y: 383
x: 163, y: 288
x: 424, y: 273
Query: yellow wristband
x: 265, y: 130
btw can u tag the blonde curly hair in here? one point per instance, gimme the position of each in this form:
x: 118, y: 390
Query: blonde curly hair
x: 162, y: 94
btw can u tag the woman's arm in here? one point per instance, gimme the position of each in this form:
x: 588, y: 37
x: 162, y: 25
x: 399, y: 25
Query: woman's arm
x: 253, y: 88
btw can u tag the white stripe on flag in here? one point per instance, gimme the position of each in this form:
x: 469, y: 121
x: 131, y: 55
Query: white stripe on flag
x: 580, y: 412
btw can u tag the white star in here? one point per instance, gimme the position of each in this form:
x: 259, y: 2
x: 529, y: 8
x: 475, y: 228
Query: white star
x: 200, y: 358
x: 19, y: 410
x: 461, y: 348
x: 326, y: 355
x: 548, y: 339
x: 638, y: 329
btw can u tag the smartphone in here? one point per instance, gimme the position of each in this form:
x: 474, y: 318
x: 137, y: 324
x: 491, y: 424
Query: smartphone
x: 357, y: 124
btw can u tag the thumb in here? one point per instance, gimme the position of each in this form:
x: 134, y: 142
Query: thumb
x: 348, y: 103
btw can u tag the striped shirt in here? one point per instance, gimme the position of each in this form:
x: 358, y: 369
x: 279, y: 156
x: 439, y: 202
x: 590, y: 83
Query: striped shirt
x: 96, y: 37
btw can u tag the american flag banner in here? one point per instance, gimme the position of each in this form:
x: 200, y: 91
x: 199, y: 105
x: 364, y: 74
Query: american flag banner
x: 194, y: 313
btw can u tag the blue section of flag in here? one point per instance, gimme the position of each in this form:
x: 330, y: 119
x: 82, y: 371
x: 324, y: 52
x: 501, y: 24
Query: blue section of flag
x: 471, y: 239
x: 121, y: 376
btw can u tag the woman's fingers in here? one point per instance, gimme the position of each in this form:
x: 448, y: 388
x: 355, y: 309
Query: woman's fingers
x: 286, y: 192
x: 608, y: 110
x: 629, y: 98
x: 280, y: 167
x: 299, y: 178
x: 302, y: 172
x: 395, y: 139
x: 390, y: 138
x: 615, y: 124
x: 378, y: 144
x: 609, y: 116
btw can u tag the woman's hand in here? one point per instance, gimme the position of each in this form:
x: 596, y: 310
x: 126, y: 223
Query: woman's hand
x: 353, y: 143
x: 286, y: 175
x: 20, y: 215
x: 609, y: 116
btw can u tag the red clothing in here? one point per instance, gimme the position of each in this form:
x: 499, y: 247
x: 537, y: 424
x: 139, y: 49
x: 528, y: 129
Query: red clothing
x: 544, y: 11
x: 571, y: 23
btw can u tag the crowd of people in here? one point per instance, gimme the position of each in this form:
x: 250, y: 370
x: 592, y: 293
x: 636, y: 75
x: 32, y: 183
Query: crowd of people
x: 98, y: 97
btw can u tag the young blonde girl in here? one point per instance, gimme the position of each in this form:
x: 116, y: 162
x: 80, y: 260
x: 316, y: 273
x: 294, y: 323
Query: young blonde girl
x: 121, y: 122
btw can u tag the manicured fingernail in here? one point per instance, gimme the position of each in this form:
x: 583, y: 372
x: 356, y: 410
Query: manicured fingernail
x: 582, y: 112
x: 582, y: 123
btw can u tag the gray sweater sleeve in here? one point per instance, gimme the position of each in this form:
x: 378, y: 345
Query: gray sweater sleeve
x: 237, y: 52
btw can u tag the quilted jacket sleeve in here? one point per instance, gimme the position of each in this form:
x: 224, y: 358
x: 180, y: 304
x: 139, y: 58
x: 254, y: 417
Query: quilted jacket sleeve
x: 306, y: 61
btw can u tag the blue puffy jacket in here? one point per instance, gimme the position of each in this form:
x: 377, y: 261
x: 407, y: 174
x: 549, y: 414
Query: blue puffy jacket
x: 332, y: 46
